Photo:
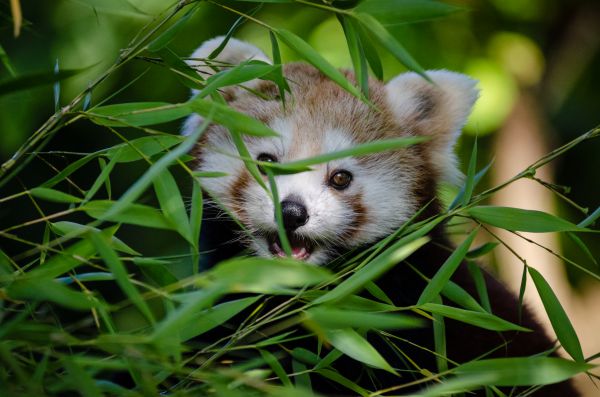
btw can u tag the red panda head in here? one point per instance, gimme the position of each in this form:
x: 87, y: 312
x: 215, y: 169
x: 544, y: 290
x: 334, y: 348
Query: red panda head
x: 347, y: 202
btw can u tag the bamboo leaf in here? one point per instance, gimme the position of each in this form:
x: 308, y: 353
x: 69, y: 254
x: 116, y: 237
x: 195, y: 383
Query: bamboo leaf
x: 516, y: 219
x: 309, y: 54
x: 230, y: 118
x: 116, y: 267
x: 208, y: 319
x: 171, y: 203
x: 353, y: 345
x: 133, y: 214
x: 56, y: 196
x: 558, y: 317
x: 388, y: 41
x: 39, y: 289
x: 137, y: 114
x: 334, y: 318
x: 377, y: 267
x: 441, y: 278
x: 524, y: 371
x: 64, y: 228
x: 479, y: 319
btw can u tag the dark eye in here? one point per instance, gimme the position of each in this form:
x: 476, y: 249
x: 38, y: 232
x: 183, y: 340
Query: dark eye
x: 340, y: 180
x: 267, y: 158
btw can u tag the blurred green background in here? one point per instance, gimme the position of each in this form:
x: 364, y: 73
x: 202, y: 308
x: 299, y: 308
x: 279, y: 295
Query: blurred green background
x: 538, y: 63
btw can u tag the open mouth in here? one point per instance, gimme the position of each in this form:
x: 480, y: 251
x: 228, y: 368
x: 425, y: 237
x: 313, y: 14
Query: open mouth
x: 302, y: 247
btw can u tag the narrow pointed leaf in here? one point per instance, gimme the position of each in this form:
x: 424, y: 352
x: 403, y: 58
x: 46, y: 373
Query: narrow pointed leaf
x: 171, y: 203
x: 230, y: 118
x: 479, y: 319
x: 354, y: 345
x: 137, y: 114
x: 394, y: 12
x: 309, y: 54
x: 116, y: 267
x: 441, y: 278
x: 53, y: 195
x: 558, y: 317
x: 517, y: 219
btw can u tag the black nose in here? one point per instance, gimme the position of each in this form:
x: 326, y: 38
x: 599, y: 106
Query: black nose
x: 294, y: 214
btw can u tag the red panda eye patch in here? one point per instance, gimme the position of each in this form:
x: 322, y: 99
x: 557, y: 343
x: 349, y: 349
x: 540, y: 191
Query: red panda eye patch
x: 267, y: 158
x: 340, y: 180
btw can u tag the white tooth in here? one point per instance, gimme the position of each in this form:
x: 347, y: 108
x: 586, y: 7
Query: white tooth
x: 301, y: 253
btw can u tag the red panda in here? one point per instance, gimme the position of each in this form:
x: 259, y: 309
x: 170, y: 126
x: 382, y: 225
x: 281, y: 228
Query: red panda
x: 353, y: 202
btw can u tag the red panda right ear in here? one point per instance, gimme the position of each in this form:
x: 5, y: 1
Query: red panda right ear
x: 438, y: 110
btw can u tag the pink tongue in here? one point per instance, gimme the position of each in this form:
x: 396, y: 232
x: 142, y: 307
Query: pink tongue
x: 296, y: 251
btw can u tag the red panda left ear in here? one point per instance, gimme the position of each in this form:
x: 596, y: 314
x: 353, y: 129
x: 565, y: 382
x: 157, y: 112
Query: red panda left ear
x: 438, y: 110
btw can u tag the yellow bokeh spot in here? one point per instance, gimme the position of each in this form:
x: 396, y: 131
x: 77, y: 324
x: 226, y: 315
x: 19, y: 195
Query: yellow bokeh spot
x: 497, y: 96
x: 329, y: 41
x: 519, y: 55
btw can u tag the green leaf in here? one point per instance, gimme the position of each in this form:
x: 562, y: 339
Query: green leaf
x: 60, y: 263
x: 359, y: 61
x: 314, y: 58
x: 370, y: 52
x: 45, y: 289
x: 395, y: 12
x: 355, y: 151
x: 353, y: 345
x: 276, y: 366
x: 137, y: 114
x: 184, y: 316
x: 524, y: 371
x: 64, y: 227
x: 377, y: 267
x: 230, y: 118
x: 389, y: 42
x: 458, y: 295
x: 184, y: 73
x: 165, y: 37
x: 134, y: 214
x: 479, y: 319
x: 261, y: 275
x: 102, y: 178
x: 68, y: 170
x: 516, y: 219
x: 48, y: 194
x: 205, y: 320
x: 239, y: 74
x: 332, y: 318
x: 442, y: 276
x: 347, y: 383
x: 116, y: 267
x: 283, y: 239
x: 481, y: 250
x: 144, y: 147
x: 171, y: 203
x: 558, y: 317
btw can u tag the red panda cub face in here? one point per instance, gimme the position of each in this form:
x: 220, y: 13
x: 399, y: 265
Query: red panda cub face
x: 344, y: 203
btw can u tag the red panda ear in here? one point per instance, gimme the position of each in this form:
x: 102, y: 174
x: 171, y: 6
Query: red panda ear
x: 439, y: 110
x: 236, y: 51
